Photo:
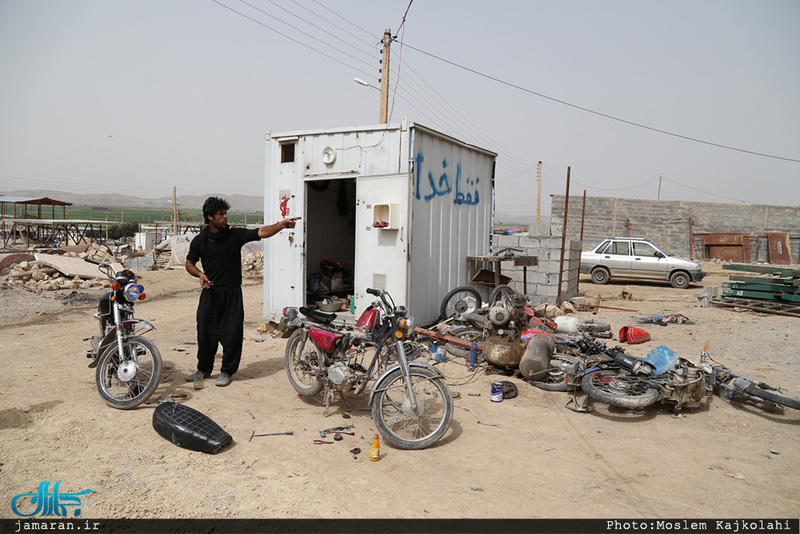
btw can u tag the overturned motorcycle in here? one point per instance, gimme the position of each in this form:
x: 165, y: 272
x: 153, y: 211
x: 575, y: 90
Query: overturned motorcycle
x: 410, y: 401
x: 128, y: 365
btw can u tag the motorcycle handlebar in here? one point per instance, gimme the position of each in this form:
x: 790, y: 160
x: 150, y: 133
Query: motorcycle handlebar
x: 376, y: 292
x: 92, y: 260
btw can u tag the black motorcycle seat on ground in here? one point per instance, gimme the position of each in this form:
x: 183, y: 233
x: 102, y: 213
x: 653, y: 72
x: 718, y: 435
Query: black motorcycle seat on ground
x: 188, y: 428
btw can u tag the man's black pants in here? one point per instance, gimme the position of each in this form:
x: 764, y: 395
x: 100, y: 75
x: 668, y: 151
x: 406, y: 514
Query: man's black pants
x: 220, y: 319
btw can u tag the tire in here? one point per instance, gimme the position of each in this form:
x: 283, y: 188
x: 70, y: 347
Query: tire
x: 391, y: 412
x: 299, y: 367
x: 460, y: 300
x: 612, y: 387
x: 467, y: 333
x: 772, y: 396
x: 600, y: 276
x: 680, y: 279
x: 555, y: 379
x: 502, y: 295
x: 125, y: 383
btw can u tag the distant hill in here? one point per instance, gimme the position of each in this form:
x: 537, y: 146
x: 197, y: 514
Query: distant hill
x: 237, y: 202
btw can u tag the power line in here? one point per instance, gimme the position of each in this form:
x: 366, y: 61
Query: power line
x: 375, y: 44
x: 605, y: 115
x: 312, y: 24
x: 404, y: 18
x: 344, y: 19
x: 299, y: 30
x: 291, y: 38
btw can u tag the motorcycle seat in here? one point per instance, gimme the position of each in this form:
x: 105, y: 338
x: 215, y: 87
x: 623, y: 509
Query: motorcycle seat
x: 318, y: 316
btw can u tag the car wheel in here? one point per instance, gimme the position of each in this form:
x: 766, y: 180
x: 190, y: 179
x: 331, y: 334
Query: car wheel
x: 680, y: 280
x: 600, y: 276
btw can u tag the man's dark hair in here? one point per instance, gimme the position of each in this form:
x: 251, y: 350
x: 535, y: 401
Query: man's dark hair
x: 212, y: 205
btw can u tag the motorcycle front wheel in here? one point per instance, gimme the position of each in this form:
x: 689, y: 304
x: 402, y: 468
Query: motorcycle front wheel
x: 300, y: 367
x: 125, y: 381
x: 612, y: 387
x: 398, y: 423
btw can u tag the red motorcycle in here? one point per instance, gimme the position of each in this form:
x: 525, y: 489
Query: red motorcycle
x: 410, y: 401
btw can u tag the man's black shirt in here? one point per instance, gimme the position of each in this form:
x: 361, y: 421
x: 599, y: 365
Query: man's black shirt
x: 220, y: 254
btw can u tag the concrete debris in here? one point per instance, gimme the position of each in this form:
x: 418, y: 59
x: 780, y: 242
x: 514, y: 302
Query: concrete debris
x: 44, y: 275
x: 253, y: 264
x: 627, y: 293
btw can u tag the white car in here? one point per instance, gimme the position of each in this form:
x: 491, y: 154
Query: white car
x: 638, y: 258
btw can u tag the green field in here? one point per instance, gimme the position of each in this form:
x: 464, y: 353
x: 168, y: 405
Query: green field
x: 149, y: 215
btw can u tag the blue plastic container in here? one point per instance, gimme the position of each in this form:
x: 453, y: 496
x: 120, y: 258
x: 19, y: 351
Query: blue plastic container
x: 663, y: 359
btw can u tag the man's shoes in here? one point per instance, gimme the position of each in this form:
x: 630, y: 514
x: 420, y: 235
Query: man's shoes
x: 191, y: 378
x: 223, y: 379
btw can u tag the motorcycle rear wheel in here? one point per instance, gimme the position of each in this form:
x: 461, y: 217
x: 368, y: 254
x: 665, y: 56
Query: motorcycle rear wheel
x: 612, y: 387
x: 299, y: 366
x: 392, y: 414
x: 126, y: 382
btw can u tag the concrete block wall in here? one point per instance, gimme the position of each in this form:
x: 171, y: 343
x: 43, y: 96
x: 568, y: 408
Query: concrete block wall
x: 542, y: 279
x: 666, y: 222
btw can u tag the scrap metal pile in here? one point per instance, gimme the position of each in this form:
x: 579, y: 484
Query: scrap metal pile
x: 551, y: 349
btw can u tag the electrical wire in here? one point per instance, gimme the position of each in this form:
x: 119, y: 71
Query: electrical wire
x: 404, y: 18
x: 344, y: 19
x: 291, y: 38
x: 598, y: 113
x: 370, y: 43
x: 317, y: 27
x: 299, y: 30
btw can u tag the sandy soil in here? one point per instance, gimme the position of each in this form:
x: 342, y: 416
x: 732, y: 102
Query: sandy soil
x: 529, y: 457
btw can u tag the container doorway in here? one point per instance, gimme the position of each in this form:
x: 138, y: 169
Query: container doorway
x: 330, y: 241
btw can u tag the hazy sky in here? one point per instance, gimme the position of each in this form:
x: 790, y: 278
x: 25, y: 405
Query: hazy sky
x: 137, y: 96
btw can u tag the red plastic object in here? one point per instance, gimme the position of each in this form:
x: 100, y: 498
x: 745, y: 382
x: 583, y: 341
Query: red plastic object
x: 633, y: 335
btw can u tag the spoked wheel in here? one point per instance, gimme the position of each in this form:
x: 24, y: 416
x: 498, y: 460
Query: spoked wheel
x: 460, y: 300
x: 555, y: 380
x: 467, y: 333
x: 300, y: 367
x: 619, y: 389
x: 404, y: 427
x: 126, y: 381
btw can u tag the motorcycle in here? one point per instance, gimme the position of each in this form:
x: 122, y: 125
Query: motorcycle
x: 410, y: 401
x: 618, y: 379
x: 128, y: 366
x: 622, y: 380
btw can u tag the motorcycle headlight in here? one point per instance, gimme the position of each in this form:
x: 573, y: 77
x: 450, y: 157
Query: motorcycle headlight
x: 132, y: 292
x: 406, y: 324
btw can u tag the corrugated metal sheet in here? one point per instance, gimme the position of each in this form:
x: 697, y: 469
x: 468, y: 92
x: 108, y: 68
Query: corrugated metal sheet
x: 452, y: 203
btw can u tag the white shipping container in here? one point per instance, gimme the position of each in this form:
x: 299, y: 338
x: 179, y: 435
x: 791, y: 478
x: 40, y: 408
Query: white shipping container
x: 401, y: 205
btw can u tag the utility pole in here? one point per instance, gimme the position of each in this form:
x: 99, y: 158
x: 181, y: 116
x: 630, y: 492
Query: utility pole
x: 387, y: 41
x: 539, y: 195
x: 174, y: 210
x: 659, y: 186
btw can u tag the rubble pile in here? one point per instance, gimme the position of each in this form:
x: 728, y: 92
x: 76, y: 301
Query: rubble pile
x: 38, y: 276
x: 253, y: 264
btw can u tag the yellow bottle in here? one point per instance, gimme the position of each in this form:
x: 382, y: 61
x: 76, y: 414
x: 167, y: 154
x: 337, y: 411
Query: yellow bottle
x: 375, y: 451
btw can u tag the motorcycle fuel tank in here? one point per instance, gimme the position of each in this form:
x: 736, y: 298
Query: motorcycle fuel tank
x: 323, y: 338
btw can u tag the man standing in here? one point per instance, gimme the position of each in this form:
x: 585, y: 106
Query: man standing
x: 220, y: 313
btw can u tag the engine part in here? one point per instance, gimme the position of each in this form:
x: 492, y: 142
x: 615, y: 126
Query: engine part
x: 341, y: 376
x: 536, y: 358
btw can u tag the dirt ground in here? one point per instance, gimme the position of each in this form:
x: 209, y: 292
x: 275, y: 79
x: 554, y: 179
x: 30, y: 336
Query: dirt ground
x: 528, y: 457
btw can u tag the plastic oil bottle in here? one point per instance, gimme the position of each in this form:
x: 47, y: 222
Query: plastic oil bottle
x: 375, y: 450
